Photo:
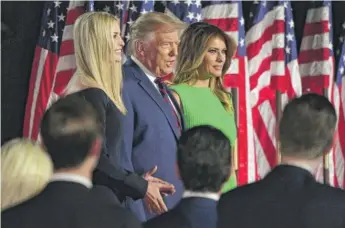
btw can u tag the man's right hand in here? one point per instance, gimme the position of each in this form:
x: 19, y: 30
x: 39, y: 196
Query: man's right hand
x: 155, y: 188
x: 154, y: 199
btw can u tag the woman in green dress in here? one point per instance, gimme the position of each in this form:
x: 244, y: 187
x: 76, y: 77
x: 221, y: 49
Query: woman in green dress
x: 205, y: 54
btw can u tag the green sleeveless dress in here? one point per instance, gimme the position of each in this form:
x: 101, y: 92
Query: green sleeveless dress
x: 201, y: 107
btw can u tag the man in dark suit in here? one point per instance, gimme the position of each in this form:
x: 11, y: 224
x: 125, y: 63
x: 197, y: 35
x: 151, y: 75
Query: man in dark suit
x: 204, y: 165
x: 71, y: 133
x: 289, y: 196
x: 153, y: 122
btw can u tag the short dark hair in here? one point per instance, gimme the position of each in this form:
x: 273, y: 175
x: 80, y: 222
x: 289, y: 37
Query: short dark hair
x: 307, y: 126
x: 204, y: 159
x: 68, y: 129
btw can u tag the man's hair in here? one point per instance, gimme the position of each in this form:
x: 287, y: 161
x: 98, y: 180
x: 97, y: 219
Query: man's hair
x: 307, y: 127
x: 149, y: 23
x: 68, y: 129
x: 204, y: 159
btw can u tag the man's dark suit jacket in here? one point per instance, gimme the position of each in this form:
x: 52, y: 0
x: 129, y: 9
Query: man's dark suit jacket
x: 151, y: 135
x: 65, y: 204
x: 288, y: 197
x: 194, y: 212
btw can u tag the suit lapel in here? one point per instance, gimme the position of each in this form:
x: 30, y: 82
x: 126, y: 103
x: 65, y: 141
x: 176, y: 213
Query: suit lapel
x: 150, y: 89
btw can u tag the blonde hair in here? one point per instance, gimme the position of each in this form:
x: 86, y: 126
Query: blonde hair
x: 25, y: 168
x: 149, y: 23
x: 192, y: 50
x: 95, y: 57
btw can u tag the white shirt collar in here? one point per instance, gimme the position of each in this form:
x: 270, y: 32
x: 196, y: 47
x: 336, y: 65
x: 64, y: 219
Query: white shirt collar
x: 148, y: 73
x: 71, y: 178
x: 209, y: 195
x: 152, y: 79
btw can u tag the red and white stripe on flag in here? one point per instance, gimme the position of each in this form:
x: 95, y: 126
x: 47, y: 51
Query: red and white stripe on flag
x: 316, y: 61
x: 50, y: 72
x: 265, y: 51
x: 273, y: 67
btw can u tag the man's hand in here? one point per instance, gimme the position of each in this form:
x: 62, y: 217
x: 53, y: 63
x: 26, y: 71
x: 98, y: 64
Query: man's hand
x: 165, y: 188
x: 155, y: 188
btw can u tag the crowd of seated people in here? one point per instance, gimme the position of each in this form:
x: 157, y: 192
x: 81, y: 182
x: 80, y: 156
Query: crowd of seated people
x: 128, y: 151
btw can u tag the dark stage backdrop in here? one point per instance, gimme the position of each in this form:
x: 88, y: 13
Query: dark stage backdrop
x: 19, y: 37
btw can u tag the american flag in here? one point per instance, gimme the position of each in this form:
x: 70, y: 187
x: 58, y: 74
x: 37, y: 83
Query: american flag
x: 187, y: 11
x: 228, y: 16
x: 118, y: 8
x: 339, y: 102
x: 272, y: 54
x: 54, y: 62
x: 126, y: 11
x: 316, y: 52
x: 316, y: 60
x: 290, y: 84
x: 136, y: 8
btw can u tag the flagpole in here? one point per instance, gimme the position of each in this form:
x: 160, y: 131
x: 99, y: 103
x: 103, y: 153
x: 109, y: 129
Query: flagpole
x: 91, y: 6
x: 278, y: 117
x: 234, y: 93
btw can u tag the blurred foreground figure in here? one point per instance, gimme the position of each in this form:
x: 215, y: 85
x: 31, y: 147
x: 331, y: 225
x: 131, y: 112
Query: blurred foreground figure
x: 204, y: 165
x: 289, y: 196
x: 72, y: 135
x: 25, y: 171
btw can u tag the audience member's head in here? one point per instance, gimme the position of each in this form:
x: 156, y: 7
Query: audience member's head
x: 204, y: 159
x: 25, y: 171
x: 307, y: 127
x: 72, y: 134
x: 154, y: 40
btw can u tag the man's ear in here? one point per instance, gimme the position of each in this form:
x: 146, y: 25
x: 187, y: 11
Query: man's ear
x: 140, y: 48
x: 335, y: 138
x: 96, y: 147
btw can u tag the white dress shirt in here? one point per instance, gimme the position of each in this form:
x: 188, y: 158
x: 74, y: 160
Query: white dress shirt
x: 147, y: 72
x: 71, y: 178
x: 152, y: 79
x: 208, y: 195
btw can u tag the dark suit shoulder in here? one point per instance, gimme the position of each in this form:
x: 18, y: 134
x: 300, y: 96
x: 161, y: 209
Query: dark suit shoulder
x: 326, y: 193
x: 104, y: 194
x: 102, y: 209
x: 334, y: 191
x: 240, y: 191
x: 106, y: 215
x: 169, y: 219
x: 38, y: 212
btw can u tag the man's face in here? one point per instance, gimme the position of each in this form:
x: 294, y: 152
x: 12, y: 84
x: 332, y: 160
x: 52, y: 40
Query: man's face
x: 160, y: 52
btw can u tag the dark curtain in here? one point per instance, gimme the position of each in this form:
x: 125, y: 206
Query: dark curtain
x: 19, y: 33
x: 18, y: 41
